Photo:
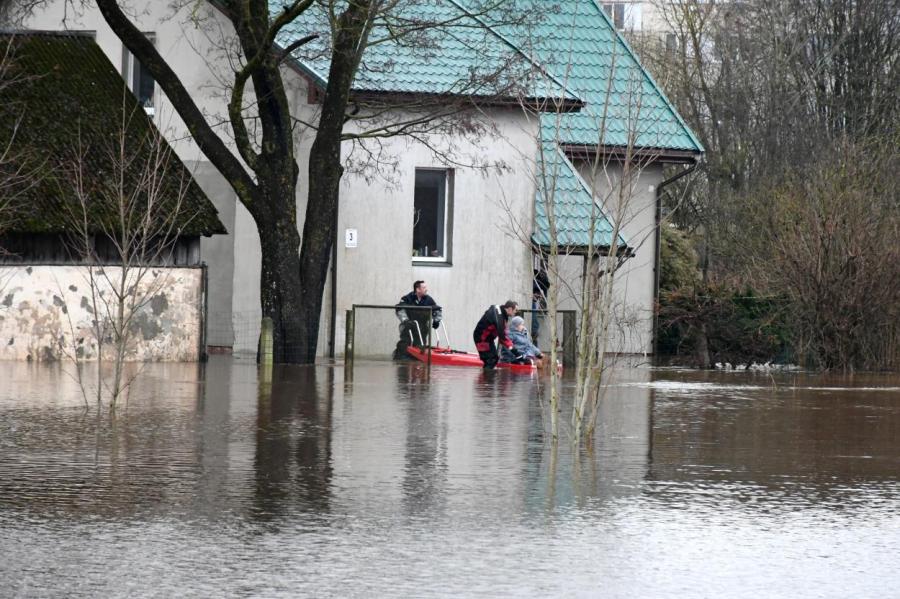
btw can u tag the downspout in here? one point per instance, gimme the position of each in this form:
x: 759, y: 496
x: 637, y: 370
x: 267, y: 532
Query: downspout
x: 333, y: 302
x: 656, y: 258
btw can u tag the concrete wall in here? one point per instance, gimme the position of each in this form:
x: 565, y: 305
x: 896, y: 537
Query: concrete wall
x: 47, y: 313
x: 218, y: 253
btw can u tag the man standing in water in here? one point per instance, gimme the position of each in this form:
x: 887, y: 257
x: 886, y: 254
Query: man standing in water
x: 492, y: 325
x: 418, y: 297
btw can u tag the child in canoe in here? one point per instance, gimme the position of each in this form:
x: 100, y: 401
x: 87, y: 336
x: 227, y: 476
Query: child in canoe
x: 523, y: 350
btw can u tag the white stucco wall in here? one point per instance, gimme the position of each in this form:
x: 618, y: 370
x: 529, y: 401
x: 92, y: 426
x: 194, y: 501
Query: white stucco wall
x: 487, y: 264
x: 47, y: 313
x: 635, y: 210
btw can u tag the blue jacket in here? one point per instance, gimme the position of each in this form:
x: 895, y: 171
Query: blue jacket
x: 522, y: 346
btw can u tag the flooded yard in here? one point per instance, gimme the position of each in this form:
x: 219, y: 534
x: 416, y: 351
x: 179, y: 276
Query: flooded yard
x: 210, y: 483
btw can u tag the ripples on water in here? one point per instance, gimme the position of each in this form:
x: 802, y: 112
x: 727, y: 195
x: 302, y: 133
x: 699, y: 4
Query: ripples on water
x: 207, y: 483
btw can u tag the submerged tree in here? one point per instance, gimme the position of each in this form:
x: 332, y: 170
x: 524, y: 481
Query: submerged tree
x: 124, y: 233
x: 588, y: 202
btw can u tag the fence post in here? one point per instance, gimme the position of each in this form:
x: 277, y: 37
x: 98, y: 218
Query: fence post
x: 267, y: 342
x: 569, y: 338
x: 428, y: 337
x: 204, y: 312
x: 349, y: 336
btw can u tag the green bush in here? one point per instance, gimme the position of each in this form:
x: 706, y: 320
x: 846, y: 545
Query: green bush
x: 706, y: 324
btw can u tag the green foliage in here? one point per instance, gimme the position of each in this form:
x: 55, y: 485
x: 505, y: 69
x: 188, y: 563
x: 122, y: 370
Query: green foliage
x: 723, y: 323
x: 677, y: 260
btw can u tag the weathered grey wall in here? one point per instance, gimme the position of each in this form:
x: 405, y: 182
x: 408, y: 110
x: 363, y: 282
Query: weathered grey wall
x: 46, y: 313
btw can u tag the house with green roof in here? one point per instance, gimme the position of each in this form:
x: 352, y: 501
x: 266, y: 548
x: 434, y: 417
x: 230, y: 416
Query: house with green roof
x: 554, y: 91
x: 74, y: 136
x: 625, y: 114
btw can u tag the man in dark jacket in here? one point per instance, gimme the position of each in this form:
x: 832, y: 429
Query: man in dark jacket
x: 540, y: 284
x: 409, y: 317
x: 493, y: 326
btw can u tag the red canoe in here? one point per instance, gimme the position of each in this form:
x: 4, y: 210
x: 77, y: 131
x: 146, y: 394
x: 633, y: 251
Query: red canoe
x: 443, y: 356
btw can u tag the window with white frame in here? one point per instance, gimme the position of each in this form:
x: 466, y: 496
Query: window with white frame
x: 138, y: 78
x: 432, y: 215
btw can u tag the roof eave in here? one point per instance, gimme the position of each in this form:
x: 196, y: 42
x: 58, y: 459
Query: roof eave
x: 537, y: 104
x: 647, y: 154
x: 582, y: 250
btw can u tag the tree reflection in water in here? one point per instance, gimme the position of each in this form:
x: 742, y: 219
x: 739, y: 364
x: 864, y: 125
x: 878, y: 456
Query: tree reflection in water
x: 293, y: 462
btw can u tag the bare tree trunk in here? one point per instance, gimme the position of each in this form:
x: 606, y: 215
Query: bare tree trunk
x: 318, y: 237
x: 281, y: 291
x: 702, y: 347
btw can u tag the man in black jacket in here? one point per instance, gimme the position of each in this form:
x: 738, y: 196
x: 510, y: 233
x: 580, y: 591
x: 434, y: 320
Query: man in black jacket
x: 492, y: 325
x: 409, y: 317
x: 539, y: 286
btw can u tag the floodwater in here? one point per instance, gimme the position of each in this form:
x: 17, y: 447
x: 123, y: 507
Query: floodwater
x: 208, y: 483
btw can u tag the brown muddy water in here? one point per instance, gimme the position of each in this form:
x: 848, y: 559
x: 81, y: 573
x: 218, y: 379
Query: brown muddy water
x: 208, y: 484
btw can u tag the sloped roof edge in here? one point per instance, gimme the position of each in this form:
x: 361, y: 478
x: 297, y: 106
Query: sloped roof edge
x: 659, y: 90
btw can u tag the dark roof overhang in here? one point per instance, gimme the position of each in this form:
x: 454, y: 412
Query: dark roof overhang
x: 646, y: 155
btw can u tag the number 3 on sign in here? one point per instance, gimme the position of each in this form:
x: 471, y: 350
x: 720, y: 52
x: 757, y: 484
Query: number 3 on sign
x: 350, y: 238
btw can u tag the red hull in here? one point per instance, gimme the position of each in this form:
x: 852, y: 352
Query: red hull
x: 442, y: 356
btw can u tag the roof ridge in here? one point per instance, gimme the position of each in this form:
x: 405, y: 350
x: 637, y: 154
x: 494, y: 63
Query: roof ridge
x: 648, y: 76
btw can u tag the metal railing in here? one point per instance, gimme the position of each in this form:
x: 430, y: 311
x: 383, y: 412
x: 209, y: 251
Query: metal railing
x: 442, y: 336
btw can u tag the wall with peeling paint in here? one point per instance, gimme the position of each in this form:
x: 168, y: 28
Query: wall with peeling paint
x: 47, y: 313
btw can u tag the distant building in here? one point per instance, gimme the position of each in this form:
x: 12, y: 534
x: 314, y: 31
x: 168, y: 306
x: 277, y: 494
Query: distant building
x: 644, y: 23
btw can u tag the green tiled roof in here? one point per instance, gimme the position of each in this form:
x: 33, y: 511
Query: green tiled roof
x: 573, y: 205
x: 66, y: 93
x: 577, y: 47
x: 452, y: 54
x: 580, y: 46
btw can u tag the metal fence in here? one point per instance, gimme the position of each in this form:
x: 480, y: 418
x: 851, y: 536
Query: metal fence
x: 373, y: 332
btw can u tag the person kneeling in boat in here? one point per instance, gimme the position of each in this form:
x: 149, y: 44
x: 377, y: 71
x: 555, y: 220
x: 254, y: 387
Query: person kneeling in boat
x: 413, y: 322
x: 523, y: 350
x: 491, y: 326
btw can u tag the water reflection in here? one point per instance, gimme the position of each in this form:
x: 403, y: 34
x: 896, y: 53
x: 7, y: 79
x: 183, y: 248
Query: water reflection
x: 292, y: 460
x: 808, y: 437
x: 59, y: 458
x: 212, y: 478
x: 425, y: 460
x: 611, y: 468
